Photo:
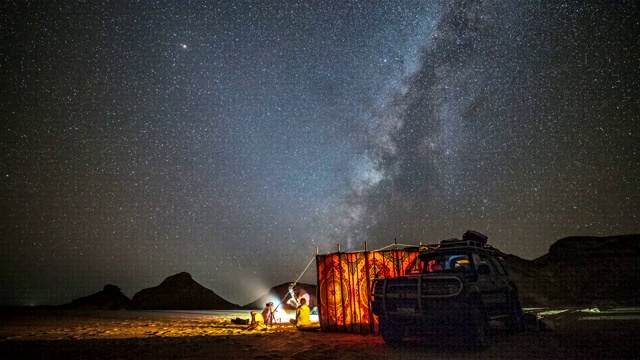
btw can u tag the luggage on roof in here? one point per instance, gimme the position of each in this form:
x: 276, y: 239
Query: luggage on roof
x: 472, y: 235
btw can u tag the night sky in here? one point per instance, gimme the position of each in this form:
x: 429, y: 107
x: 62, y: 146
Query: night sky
x: 230, y: 139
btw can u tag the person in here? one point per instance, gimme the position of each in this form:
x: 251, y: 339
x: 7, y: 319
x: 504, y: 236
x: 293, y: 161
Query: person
x: 257, y: 322
x: 302, y: 314
x: 267, y: 313
x: 297, y: 295
x: 302, y: 294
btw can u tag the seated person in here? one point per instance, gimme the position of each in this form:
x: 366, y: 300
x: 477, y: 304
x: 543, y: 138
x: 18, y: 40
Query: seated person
x: 257, y: 321
x: 303, y: 314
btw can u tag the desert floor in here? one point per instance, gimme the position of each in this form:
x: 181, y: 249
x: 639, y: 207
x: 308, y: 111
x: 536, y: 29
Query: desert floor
x: 51, y: 334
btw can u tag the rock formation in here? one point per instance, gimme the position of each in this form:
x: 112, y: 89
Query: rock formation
x: 584, y: 270
x: 110, y: 298
x: 179, y: 292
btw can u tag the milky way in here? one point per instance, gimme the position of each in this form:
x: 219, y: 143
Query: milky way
x: 229, y: 140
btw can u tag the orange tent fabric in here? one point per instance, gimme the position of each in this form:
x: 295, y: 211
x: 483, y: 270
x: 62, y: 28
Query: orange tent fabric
x: 344, y: 284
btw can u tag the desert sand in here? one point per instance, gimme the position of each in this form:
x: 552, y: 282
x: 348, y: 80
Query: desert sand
x: 54, y: 334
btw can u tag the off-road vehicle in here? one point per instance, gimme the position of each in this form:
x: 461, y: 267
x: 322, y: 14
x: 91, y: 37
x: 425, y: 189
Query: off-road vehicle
x: 455, y: 287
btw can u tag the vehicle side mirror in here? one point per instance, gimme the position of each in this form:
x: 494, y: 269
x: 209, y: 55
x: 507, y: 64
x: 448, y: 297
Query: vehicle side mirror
x: 483, y: 269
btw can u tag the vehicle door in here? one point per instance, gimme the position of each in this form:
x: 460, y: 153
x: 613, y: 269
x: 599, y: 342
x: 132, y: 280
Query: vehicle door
x: 502, y: 281
x: 493, y: 287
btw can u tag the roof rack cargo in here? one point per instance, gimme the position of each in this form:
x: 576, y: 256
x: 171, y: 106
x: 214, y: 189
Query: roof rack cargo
x: 473, y: 235
x: 470, y: 239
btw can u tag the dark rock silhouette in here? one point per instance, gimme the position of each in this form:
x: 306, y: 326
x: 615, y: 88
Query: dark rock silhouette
x: 110, y: 298
x: 585, y: 270
x: 179, y: 292
x: 578, y: 270
x: 280, y: 292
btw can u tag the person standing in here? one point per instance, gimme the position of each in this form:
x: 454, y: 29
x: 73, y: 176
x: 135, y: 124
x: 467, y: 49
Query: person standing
x: 267, y: 314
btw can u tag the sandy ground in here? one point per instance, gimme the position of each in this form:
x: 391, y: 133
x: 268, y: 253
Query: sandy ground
x: 49, y: 334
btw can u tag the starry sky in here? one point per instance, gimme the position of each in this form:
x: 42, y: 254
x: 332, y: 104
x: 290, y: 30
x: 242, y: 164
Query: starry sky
x: 229, y: 139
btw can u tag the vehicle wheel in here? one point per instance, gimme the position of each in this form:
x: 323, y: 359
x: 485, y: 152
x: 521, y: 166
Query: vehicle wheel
x: 515, y: 320
x: 391, y: 334
x: 477, y: 329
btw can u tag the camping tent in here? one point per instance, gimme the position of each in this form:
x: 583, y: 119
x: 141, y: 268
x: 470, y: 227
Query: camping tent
x: 344, y: 283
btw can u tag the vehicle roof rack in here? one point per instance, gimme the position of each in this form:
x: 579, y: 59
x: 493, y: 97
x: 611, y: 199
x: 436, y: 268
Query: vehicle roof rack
x: 457, y: 244
x: 471, y: 239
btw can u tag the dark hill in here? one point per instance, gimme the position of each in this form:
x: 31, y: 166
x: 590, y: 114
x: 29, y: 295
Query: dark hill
x: 581, y: 270
x: 110, y: 298
x: 179, y: 292
x: 279, y: 292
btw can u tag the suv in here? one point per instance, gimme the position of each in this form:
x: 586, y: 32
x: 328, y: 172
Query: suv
x: 454, y: 287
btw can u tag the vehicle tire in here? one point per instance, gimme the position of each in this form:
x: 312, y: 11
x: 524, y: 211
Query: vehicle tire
x: 515, y: 320
x: 391, y: 333
x: 477, y: 328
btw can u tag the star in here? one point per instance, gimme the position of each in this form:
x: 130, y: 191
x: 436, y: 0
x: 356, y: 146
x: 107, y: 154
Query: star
x: 229, y: 138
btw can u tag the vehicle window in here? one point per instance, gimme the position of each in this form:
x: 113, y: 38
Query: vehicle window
x: 476, y: 260
x: 498, y: 266
x: 487, y: 261
x: 459, y: 263
x: 504, y: 264
x: 433, y: 263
